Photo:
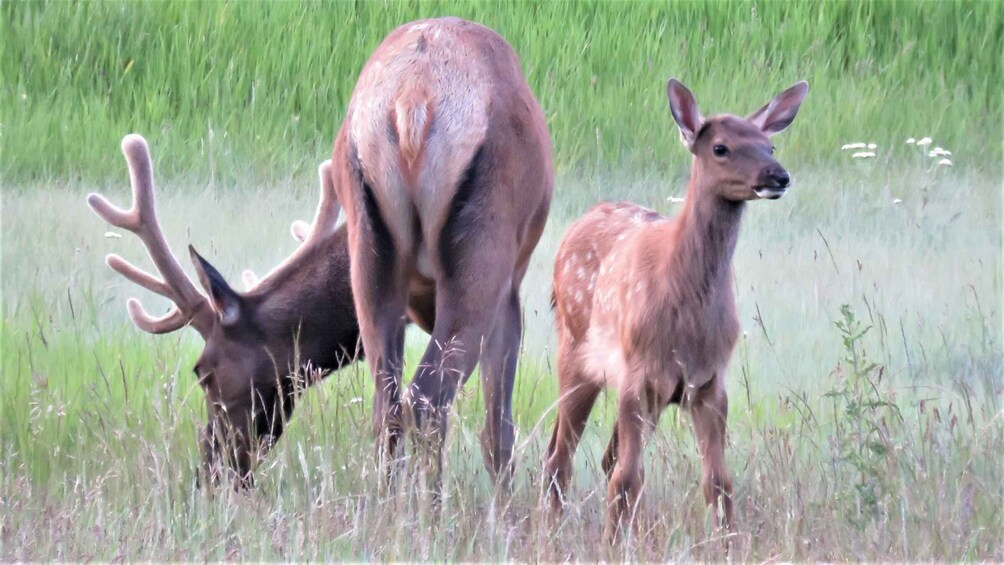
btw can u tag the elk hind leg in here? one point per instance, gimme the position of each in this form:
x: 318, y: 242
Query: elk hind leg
x: 380, y: 288
x: 498, y: 376
x: 467, y: 306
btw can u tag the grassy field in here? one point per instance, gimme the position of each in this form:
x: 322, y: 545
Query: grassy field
x: 882, y: 446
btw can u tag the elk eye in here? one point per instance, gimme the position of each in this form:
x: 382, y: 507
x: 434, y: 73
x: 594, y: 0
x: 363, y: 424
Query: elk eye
x: 720, y: 150
x: 201, y: 376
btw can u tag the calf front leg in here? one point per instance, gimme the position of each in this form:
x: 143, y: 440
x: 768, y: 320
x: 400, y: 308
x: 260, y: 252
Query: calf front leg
x: 628, y: 475
x: 709, y: 411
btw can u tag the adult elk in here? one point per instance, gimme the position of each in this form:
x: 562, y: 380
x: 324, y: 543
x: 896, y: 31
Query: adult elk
x: 443, y: 165
x: 644, y: 304
x: 263, y: 346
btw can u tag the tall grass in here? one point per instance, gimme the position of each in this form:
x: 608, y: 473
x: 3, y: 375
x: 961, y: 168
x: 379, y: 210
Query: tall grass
x: 845, y: 443
x: 98, y: 420
x: 235, y: 91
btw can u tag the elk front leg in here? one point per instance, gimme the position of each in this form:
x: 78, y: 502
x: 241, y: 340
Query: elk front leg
x: 709, y: 411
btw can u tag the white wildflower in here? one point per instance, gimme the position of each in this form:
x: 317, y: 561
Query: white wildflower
x: 944, y: 163
x: 113, y: 235
x: 863, y: 155
x: 872, y: 146
x: 939, y: 152
x: 674, y: 200
x: 924, y: 141
x: 897, y: 200
x: 911, y: 140
x: 847, y: 146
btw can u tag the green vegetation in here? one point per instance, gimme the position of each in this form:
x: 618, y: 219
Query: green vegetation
x: 866, y: 392
x: 238, y: 91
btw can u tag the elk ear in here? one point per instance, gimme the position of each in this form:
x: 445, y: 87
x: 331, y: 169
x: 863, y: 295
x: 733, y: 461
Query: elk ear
x: 225, y: 300
x: 685, y: 112
x: 778, y: 114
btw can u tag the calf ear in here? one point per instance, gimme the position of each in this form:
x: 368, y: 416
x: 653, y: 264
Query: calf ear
x: 685, y: 112
x: 778, y: 114
x: 228, y: 304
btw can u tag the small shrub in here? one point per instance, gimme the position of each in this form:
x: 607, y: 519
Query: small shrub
x: 862, y: 415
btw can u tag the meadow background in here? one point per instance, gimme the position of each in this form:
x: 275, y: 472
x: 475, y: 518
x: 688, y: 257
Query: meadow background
x: 884, y: 445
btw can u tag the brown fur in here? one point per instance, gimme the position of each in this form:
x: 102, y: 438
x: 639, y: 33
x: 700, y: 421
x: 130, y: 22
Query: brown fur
x: 443, y: 164
x: 644, y: 304
x: 262, y: 347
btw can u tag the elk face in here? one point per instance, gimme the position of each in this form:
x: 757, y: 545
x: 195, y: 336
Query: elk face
x: 249, y: 388
x: 735, y: 155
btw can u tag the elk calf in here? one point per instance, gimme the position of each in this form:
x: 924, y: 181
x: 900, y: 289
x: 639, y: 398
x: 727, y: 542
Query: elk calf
x: 443, y: 164
x: 644, y: 304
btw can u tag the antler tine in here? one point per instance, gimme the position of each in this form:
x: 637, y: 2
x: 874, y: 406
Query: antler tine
x: 324, y: 222
x: 327, y: 209
x: 173, y: 320
x: 125, y: 219
x: 250, y: 279
x: 141, y: 219
x: 141, y: 176
x: 300, y: 230
x: 138, y: 276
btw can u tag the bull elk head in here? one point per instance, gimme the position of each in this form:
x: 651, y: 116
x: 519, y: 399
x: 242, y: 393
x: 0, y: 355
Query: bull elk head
x: 262, y: 346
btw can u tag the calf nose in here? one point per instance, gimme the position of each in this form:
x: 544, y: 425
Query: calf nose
x: 780, y: 176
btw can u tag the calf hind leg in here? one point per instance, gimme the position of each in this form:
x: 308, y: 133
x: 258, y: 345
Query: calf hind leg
x: 576, y: 396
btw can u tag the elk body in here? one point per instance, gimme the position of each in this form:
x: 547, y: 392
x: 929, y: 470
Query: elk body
x: 644, y: 304
x: 261, y: 346
x: 443, y: 164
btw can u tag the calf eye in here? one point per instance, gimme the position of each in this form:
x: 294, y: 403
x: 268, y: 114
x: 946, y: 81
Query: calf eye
x: 720, y: 150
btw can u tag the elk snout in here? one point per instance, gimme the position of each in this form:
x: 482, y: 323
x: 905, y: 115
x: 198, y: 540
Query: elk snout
x: 778, y: 177
x: 773, y: 182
